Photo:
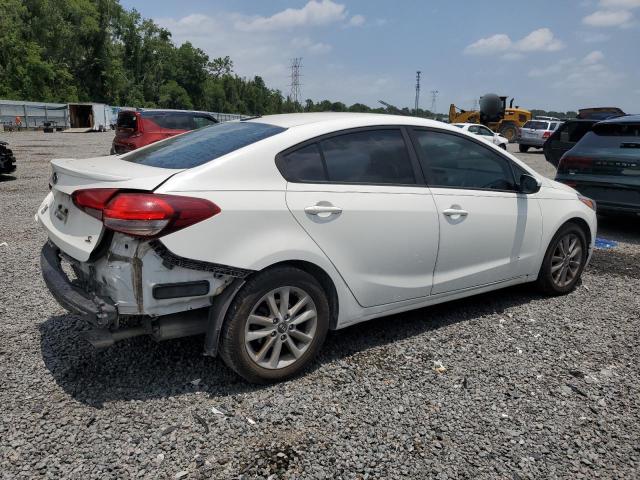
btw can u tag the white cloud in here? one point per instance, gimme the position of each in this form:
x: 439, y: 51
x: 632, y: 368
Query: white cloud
x: 609, y: 18
x: 540, y: 40
x: 314, y: 13
x: 486, y: 46
x: 624, y: 4
x: 311, y: 47
x: 356, y: 21
x: 586, y: 77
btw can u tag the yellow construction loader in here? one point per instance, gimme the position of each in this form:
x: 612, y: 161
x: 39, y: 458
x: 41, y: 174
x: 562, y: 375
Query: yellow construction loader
x: 495, y: 114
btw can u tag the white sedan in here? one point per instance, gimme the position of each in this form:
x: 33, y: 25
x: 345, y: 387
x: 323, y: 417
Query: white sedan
x: 484, y: 133
x: 264, y: 234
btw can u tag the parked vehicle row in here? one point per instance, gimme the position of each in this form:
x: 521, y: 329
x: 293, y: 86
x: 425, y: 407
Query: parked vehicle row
x: 264, y: 234
x: 138, y: 128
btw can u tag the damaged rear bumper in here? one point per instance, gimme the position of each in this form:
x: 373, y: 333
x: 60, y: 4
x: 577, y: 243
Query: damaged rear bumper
x: 98, y: 311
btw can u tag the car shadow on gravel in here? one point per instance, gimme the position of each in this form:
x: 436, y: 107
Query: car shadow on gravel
x: 6, y: 178
x: 141, y: 369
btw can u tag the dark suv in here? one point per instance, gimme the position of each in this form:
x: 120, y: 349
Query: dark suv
x: 605, y: 165
x: 564, y: 138
x: 137, y: 128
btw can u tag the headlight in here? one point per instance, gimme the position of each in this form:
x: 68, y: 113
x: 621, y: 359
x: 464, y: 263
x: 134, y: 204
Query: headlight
x: 588, y: 202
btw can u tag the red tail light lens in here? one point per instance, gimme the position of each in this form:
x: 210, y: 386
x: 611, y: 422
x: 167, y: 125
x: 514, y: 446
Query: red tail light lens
x: 93, y: 200
x: 546, y: 134
x: 575, y: 163
x: 142, y: 214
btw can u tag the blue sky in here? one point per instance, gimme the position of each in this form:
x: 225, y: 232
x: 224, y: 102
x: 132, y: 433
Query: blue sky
x: 547, y: 54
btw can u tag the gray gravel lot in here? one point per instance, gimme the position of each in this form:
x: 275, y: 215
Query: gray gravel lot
x: 533, y: 387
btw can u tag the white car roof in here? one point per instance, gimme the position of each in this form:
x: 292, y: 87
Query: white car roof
x: 337, y: 119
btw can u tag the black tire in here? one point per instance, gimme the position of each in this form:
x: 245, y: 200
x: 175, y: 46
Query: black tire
x: 523, y: 148
x: 545, y: 281
x: 233, y: 350
x: 503, y: 146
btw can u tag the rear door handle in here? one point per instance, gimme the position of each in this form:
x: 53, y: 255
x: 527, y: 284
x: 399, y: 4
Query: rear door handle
x: 318, y: 209
x: 451, y: 212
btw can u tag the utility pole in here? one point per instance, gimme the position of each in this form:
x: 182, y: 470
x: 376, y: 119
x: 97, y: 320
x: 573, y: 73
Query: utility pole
x: 294, y: 94
x: 434, y: 96
x: 417, y: 91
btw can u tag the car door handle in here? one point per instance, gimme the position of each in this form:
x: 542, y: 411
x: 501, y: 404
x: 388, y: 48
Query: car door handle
x: 318, y: 209
x: 451, y: 212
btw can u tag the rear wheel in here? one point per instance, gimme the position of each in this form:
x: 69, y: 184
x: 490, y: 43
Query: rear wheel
x: 275, y: 326
x: 564, y: 261
x: 523, y: 148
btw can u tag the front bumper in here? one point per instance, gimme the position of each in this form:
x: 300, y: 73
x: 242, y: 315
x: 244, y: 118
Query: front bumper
x: 100, y: 312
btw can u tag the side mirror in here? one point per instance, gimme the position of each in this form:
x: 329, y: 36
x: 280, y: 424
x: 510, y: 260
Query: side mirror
x: 529, y: 184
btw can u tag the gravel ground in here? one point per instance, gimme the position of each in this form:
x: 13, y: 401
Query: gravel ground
x: 529, y: 387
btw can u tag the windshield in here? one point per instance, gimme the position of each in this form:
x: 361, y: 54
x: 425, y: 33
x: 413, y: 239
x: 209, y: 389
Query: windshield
x: 201, y: 146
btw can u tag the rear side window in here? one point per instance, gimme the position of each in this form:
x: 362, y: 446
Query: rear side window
x: 305, y: 165
x: 201, y: 146
x: 171, y: 120
x: 377, y: 157
x: 456, y: 162
x: 573, y: 131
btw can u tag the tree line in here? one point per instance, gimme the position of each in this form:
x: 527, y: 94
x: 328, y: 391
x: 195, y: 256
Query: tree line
x: 97, y: 50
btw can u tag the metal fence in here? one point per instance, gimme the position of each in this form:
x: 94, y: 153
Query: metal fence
x: 16, y: 114
x: 20, y: 114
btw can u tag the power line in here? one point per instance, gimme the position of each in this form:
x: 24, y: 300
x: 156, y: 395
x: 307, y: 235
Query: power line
x: 417, y: 91
x: 294, y: 94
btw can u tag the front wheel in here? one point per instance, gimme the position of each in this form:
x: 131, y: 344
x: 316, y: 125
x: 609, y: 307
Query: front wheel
x: 275, y: 326
x: 503, y: 146
x: 564, y: 261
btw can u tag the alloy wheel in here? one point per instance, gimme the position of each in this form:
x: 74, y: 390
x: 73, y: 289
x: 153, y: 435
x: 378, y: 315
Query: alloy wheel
x: 281, y: 327
x: 566, y: 260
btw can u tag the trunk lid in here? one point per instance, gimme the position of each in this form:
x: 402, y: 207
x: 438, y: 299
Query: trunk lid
x: 75, y: 232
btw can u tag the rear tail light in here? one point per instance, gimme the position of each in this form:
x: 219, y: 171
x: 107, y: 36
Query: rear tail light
x: 143, y: 214
x: 575, y: 163
x: 546, y: 134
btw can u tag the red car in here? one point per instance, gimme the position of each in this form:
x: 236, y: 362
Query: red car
x: 137, y: 128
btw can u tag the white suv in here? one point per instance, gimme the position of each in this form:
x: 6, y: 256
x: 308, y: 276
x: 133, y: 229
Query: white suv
x: 535, y: 132
x: 263, y: 234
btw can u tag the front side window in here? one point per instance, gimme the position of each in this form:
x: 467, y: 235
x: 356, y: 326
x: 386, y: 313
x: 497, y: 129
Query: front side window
x: 377, y: 156
x: 201, y: 146
x: 456, y: 162
x: 485, y: 131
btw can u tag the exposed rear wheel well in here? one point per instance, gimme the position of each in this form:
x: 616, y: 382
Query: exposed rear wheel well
x: 324, y: 280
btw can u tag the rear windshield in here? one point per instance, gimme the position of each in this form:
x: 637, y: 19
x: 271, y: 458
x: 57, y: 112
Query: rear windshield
x: 201, y: 146
x: 127, y: 120
x: 607, y: 145
x: 535, y: 125
x: 618, y: 129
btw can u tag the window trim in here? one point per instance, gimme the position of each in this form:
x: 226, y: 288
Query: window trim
x: 410, y: 149
x: 425, y: 162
